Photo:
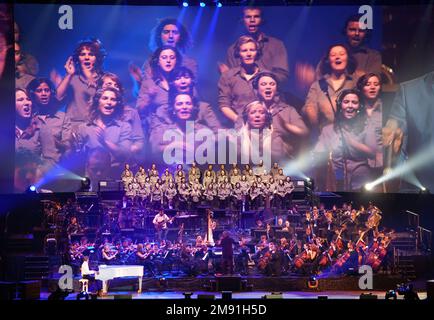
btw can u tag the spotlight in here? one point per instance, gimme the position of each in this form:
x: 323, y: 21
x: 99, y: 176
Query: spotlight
x: 369, y: 186
x: 219, y: 4
x: 391, y: 294
x: 308, y: 179
x: 185, y: 4
x: 312, y: 283
x: 31, y: 189
x: 202, y: 4
x: 85, y: 184
x: 424, y: 190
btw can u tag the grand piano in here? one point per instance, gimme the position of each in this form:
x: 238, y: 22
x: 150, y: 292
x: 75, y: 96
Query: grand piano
x: 106, y: 273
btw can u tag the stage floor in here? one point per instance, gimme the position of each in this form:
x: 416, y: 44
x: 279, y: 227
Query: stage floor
x: 237, y: 295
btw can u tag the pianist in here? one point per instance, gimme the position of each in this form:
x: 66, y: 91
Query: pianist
x: 86, y: 273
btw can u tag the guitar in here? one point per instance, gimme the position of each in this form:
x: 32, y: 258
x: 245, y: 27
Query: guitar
x: 160, y: 225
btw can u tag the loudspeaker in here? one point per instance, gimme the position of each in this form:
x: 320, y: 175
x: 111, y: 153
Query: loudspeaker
x: 7, y: 290
x: 109, y: 185
x: 226, y: 295
x: 430, y: 290
x: 126, y: 296
x: 206, y: 296
x: 29, y: 290
x: 368, y: 296
x: 228, y: 283
x: 273, y: 295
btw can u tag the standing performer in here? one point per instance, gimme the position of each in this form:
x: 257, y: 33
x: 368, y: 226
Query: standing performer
x: 160, y: 222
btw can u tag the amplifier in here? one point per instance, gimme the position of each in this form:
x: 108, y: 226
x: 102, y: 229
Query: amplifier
x: 110, y: 185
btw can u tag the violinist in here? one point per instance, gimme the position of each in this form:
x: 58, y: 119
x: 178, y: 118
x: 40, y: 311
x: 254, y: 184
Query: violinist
x: 109, y: 255
x: 286, y: 249
x: 352, y: 226
x: 243, y: 258
x: 143, y: 258
x: 329, y: 225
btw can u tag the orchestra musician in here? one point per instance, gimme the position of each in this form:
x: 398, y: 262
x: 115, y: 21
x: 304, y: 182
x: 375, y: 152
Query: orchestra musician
x: 109, y: 255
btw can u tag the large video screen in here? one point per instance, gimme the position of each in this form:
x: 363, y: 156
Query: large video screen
x: 298, y: 88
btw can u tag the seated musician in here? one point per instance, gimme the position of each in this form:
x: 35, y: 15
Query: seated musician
x: 288, y: 228
x: 108, y: 256
x: 274, y: 266
x: 199, y: 242
x: 160, y: 222
x: 143, y: 258
x: 243, y: 258
x: 73, y: 227
x: 270, y: 232
x: 88, y: 274
x: 280, y: 224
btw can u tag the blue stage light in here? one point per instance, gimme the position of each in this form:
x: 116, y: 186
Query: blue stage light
x: 185, y: 4
x: 219, y: 5
x: 202, y: 4
x: 32, y: 188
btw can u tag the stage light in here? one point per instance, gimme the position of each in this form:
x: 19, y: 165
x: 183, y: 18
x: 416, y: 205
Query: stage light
x: 202, y: 4
x: 369, y: 186
x: 391, y: 294
x: 31, y: 189
x: 185, y: 4
x: 219, y: 5
x: 85, y: 184
x: 423, y: 189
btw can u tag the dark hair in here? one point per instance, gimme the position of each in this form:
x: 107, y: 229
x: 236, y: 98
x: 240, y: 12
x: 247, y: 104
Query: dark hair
x: 243, y: 40
x: 153, y: 63
x: 184, y: 42
x: 114, y: 77
x: 172, y: 98
x: 325, y: 67
x: 268, y: 115
x: 363, y: 80
x: 361, y: 114
x: 35, y: 83
x: 119, y: 109
x: 255, y: 81
x: 182, y: 71
x: 356, y: 18
x: 96, y: 47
